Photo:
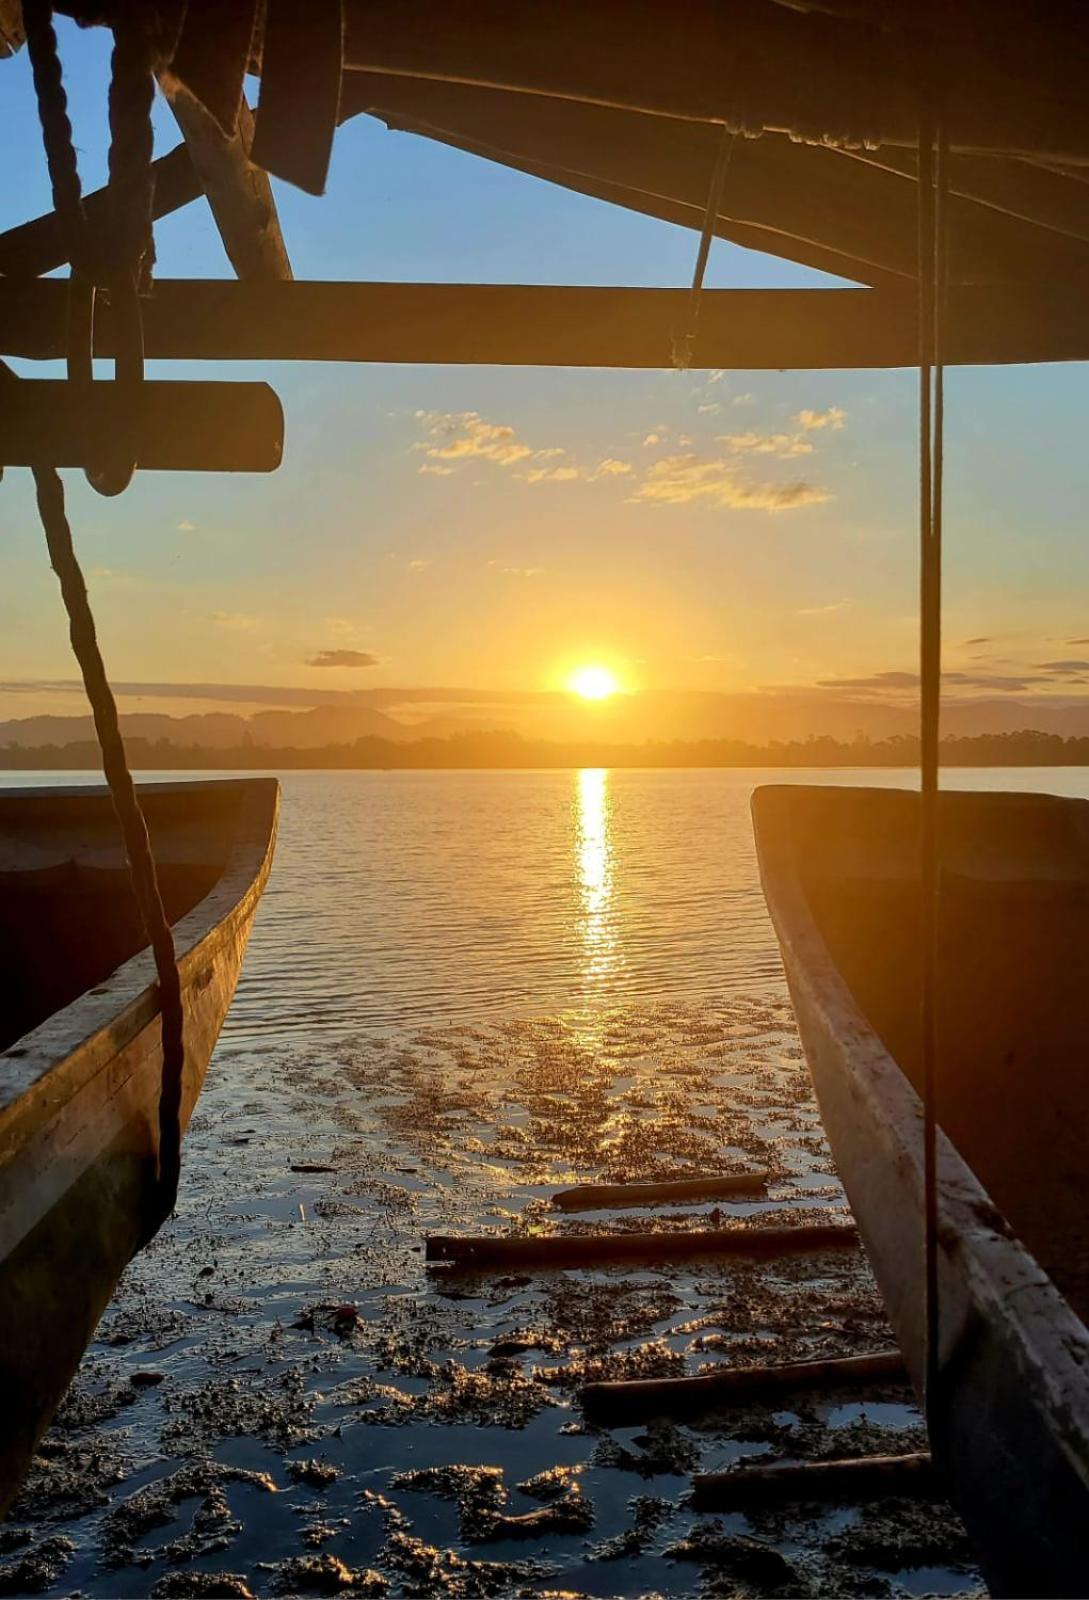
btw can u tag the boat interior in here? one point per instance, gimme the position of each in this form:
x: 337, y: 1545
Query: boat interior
x: 68, y: 918
x: 1013, y: 982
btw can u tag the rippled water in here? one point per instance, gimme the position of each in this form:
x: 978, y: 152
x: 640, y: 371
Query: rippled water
x: 464, y: 991
x: 401, y: 898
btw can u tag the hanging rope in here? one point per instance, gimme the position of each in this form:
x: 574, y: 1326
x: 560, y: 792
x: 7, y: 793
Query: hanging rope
x: 128, y: 248
x: 933, y: 272
x: 682, y: 358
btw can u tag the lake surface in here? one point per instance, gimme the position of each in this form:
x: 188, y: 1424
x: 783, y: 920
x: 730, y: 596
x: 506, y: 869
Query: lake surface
x: 401, y: 898
x: 463, y: 992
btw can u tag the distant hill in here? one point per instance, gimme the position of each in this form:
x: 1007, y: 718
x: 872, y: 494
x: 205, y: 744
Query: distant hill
x: 219, y: 730
x: 479, y: 751
x: 756, y: 718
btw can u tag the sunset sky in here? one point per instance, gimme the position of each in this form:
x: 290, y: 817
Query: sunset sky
x: 495, y: 529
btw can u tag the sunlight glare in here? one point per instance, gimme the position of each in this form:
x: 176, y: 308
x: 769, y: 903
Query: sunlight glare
x: 593, y: 683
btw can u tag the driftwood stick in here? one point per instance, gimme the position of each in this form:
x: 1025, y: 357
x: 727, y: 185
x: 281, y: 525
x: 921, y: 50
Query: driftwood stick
x: 559, y: 1250
x: 863, y: 1478
x: 636, y: 1399
x: 592, y: 1196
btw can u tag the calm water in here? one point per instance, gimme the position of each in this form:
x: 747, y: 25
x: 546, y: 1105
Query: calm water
x: 464, y: 991
x: 402, y: 898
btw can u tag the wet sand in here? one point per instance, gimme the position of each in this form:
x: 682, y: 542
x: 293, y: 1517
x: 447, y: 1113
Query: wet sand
x: 283, y: 1399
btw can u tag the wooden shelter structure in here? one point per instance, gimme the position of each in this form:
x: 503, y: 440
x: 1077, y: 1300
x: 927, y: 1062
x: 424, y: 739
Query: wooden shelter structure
x: 794, y: 127
x: 819, y: 97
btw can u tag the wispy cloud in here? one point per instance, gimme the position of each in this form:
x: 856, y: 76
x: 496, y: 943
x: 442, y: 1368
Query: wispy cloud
x: 833, y: 418
x: 185, y: 526
x: 551, y: 475
x: 466, y: 435
x: 460, y: 437
x: 692, y: 479
x: 651, y: 440
x: 822, y: 611
x: 343, y: 658
x: 235, y: 621
x: 782, y: 445
x: 898, y: 685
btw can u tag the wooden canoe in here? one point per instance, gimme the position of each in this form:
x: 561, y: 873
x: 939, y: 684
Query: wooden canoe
x: 80, y: 1050
x: 1010, y: 1419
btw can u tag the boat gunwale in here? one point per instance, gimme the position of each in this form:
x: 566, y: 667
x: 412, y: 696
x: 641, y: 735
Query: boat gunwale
x: 49, y: 1065
x: 1048, y: 1338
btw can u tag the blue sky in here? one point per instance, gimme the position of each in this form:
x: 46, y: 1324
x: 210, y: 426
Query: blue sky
x: 742, y: 548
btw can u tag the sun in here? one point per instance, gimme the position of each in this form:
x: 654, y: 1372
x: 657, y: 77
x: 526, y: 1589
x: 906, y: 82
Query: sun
x: 593, y: 683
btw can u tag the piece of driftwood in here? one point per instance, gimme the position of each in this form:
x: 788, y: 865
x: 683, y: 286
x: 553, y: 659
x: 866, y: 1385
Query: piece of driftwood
x: 540, y: 325
x: 635, y: 1399
x: 595, y: 1196
x: 557, y: 1250
x: 179, y: 427
x: 861, y: 1478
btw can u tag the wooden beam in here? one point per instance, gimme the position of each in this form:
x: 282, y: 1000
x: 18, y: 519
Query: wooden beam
x: 519, y: 325
x: 39, y: 246
x: 239, y: 193
x: 180, y: 427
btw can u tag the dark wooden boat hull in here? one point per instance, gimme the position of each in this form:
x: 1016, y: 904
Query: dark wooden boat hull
x: 79, y: 1093
x: 1010, y: 1421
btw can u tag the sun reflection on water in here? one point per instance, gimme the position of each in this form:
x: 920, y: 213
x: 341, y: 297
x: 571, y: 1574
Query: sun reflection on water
x: 594, y: 857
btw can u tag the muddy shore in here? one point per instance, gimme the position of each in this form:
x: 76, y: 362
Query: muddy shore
x: 284, y: 1399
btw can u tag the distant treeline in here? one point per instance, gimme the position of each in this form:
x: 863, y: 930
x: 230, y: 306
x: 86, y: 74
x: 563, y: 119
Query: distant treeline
x: 483, y: 750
